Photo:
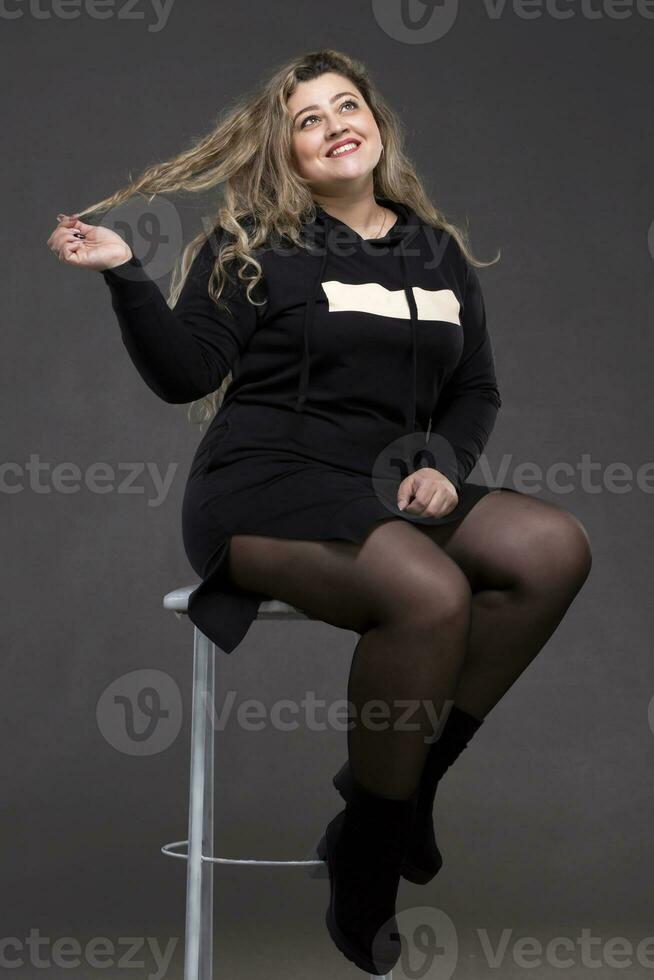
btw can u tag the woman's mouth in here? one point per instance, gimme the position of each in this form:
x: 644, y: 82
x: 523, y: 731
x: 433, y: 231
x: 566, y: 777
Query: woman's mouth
x: 344, y: 150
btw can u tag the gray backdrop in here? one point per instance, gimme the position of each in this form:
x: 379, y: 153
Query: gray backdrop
x: 535, y: 127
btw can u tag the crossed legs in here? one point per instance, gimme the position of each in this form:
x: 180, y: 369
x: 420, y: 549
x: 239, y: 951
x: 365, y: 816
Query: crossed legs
x: 451, y: 612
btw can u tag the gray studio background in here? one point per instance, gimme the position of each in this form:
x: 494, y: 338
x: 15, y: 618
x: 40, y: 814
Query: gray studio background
x: 535, y: 128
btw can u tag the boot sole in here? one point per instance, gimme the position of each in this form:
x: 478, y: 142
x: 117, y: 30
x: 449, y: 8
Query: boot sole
x: 341, y: 941
x: 412, y: 873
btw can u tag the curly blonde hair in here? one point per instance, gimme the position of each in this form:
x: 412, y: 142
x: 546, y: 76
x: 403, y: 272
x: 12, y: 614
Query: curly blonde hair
x: 249, y: 151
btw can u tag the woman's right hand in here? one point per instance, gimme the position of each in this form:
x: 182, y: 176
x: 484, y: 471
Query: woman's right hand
x: 87, y: 246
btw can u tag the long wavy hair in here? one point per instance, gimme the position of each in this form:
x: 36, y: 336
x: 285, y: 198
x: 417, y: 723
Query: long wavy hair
x: 249, y: 152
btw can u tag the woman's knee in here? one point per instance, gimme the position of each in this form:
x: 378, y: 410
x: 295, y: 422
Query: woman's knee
x: 433, y: 597
x: 397, y: 576
x: 557, y: 543
x: 579, y: 545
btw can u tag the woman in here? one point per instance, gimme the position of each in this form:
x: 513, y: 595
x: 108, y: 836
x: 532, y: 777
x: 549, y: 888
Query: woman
x: 353, y: 334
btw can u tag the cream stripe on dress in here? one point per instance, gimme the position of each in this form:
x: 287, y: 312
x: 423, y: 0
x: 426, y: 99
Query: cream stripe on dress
x: 372, y: 297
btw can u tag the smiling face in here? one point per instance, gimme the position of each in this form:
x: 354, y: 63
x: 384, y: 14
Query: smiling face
x: 327, y: 111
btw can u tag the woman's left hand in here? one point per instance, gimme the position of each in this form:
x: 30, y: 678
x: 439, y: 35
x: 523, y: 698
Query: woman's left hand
x: 434, y: 495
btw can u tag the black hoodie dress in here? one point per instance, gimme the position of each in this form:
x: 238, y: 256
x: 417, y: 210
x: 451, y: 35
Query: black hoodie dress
x: 363, y: 352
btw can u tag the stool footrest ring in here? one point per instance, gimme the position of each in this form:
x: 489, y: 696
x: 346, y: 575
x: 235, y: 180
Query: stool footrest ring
x: 167, y: 849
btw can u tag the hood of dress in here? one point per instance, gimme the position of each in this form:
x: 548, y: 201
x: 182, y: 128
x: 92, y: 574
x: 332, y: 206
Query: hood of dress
x: 395, y: 241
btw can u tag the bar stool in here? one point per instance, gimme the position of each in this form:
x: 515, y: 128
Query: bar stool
x: 198, y: 939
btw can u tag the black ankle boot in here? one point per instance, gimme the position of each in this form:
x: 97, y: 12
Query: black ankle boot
x: 364, y: 847
x: 423, y: 858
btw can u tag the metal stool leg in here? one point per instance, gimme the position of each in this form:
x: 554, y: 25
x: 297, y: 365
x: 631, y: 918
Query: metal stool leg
x: 207, y: 828
x: 198, y: 952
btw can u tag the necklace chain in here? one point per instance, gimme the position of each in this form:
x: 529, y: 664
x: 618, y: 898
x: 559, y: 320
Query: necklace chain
x: 381, y: 228
x: 382, y: 225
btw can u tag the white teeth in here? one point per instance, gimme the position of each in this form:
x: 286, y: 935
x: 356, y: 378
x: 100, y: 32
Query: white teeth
x: 343, y: 149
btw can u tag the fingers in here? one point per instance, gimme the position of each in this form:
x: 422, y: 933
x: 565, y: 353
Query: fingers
x: 60, y: 230
x: 68, y: 223
x: 61, y: 237
x: 431, y: 498
x: 72, y: 221
x: 405, y: 493
x: 438, y: 504
x: 81, y: 226
x: 69, y: 250
x: 424, y: 502
x: 69, y: 230
x: 442, y: 502
x: 65, y: 242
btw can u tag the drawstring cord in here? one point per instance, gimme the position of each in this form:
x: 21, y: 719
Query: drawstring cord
x: 308, y: 317
x: 408, y: 290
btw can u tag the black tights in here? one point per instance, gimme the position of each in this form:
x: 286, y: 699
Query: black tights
x: 446, y: 613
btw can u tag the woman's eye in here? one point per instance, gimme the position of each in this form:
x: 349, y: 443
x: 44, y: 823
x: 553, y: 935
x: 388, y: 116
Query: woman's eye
x: 347, y: 102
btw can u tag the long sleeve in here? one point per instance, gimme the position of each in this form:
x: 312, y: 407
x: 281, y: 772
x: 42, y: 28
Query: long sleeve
x: 467, y: 407
x: 183, y: 353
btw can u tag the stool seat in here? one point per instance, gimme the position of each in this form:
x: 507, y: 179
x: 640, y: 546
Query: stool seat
x: 177, y: 601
